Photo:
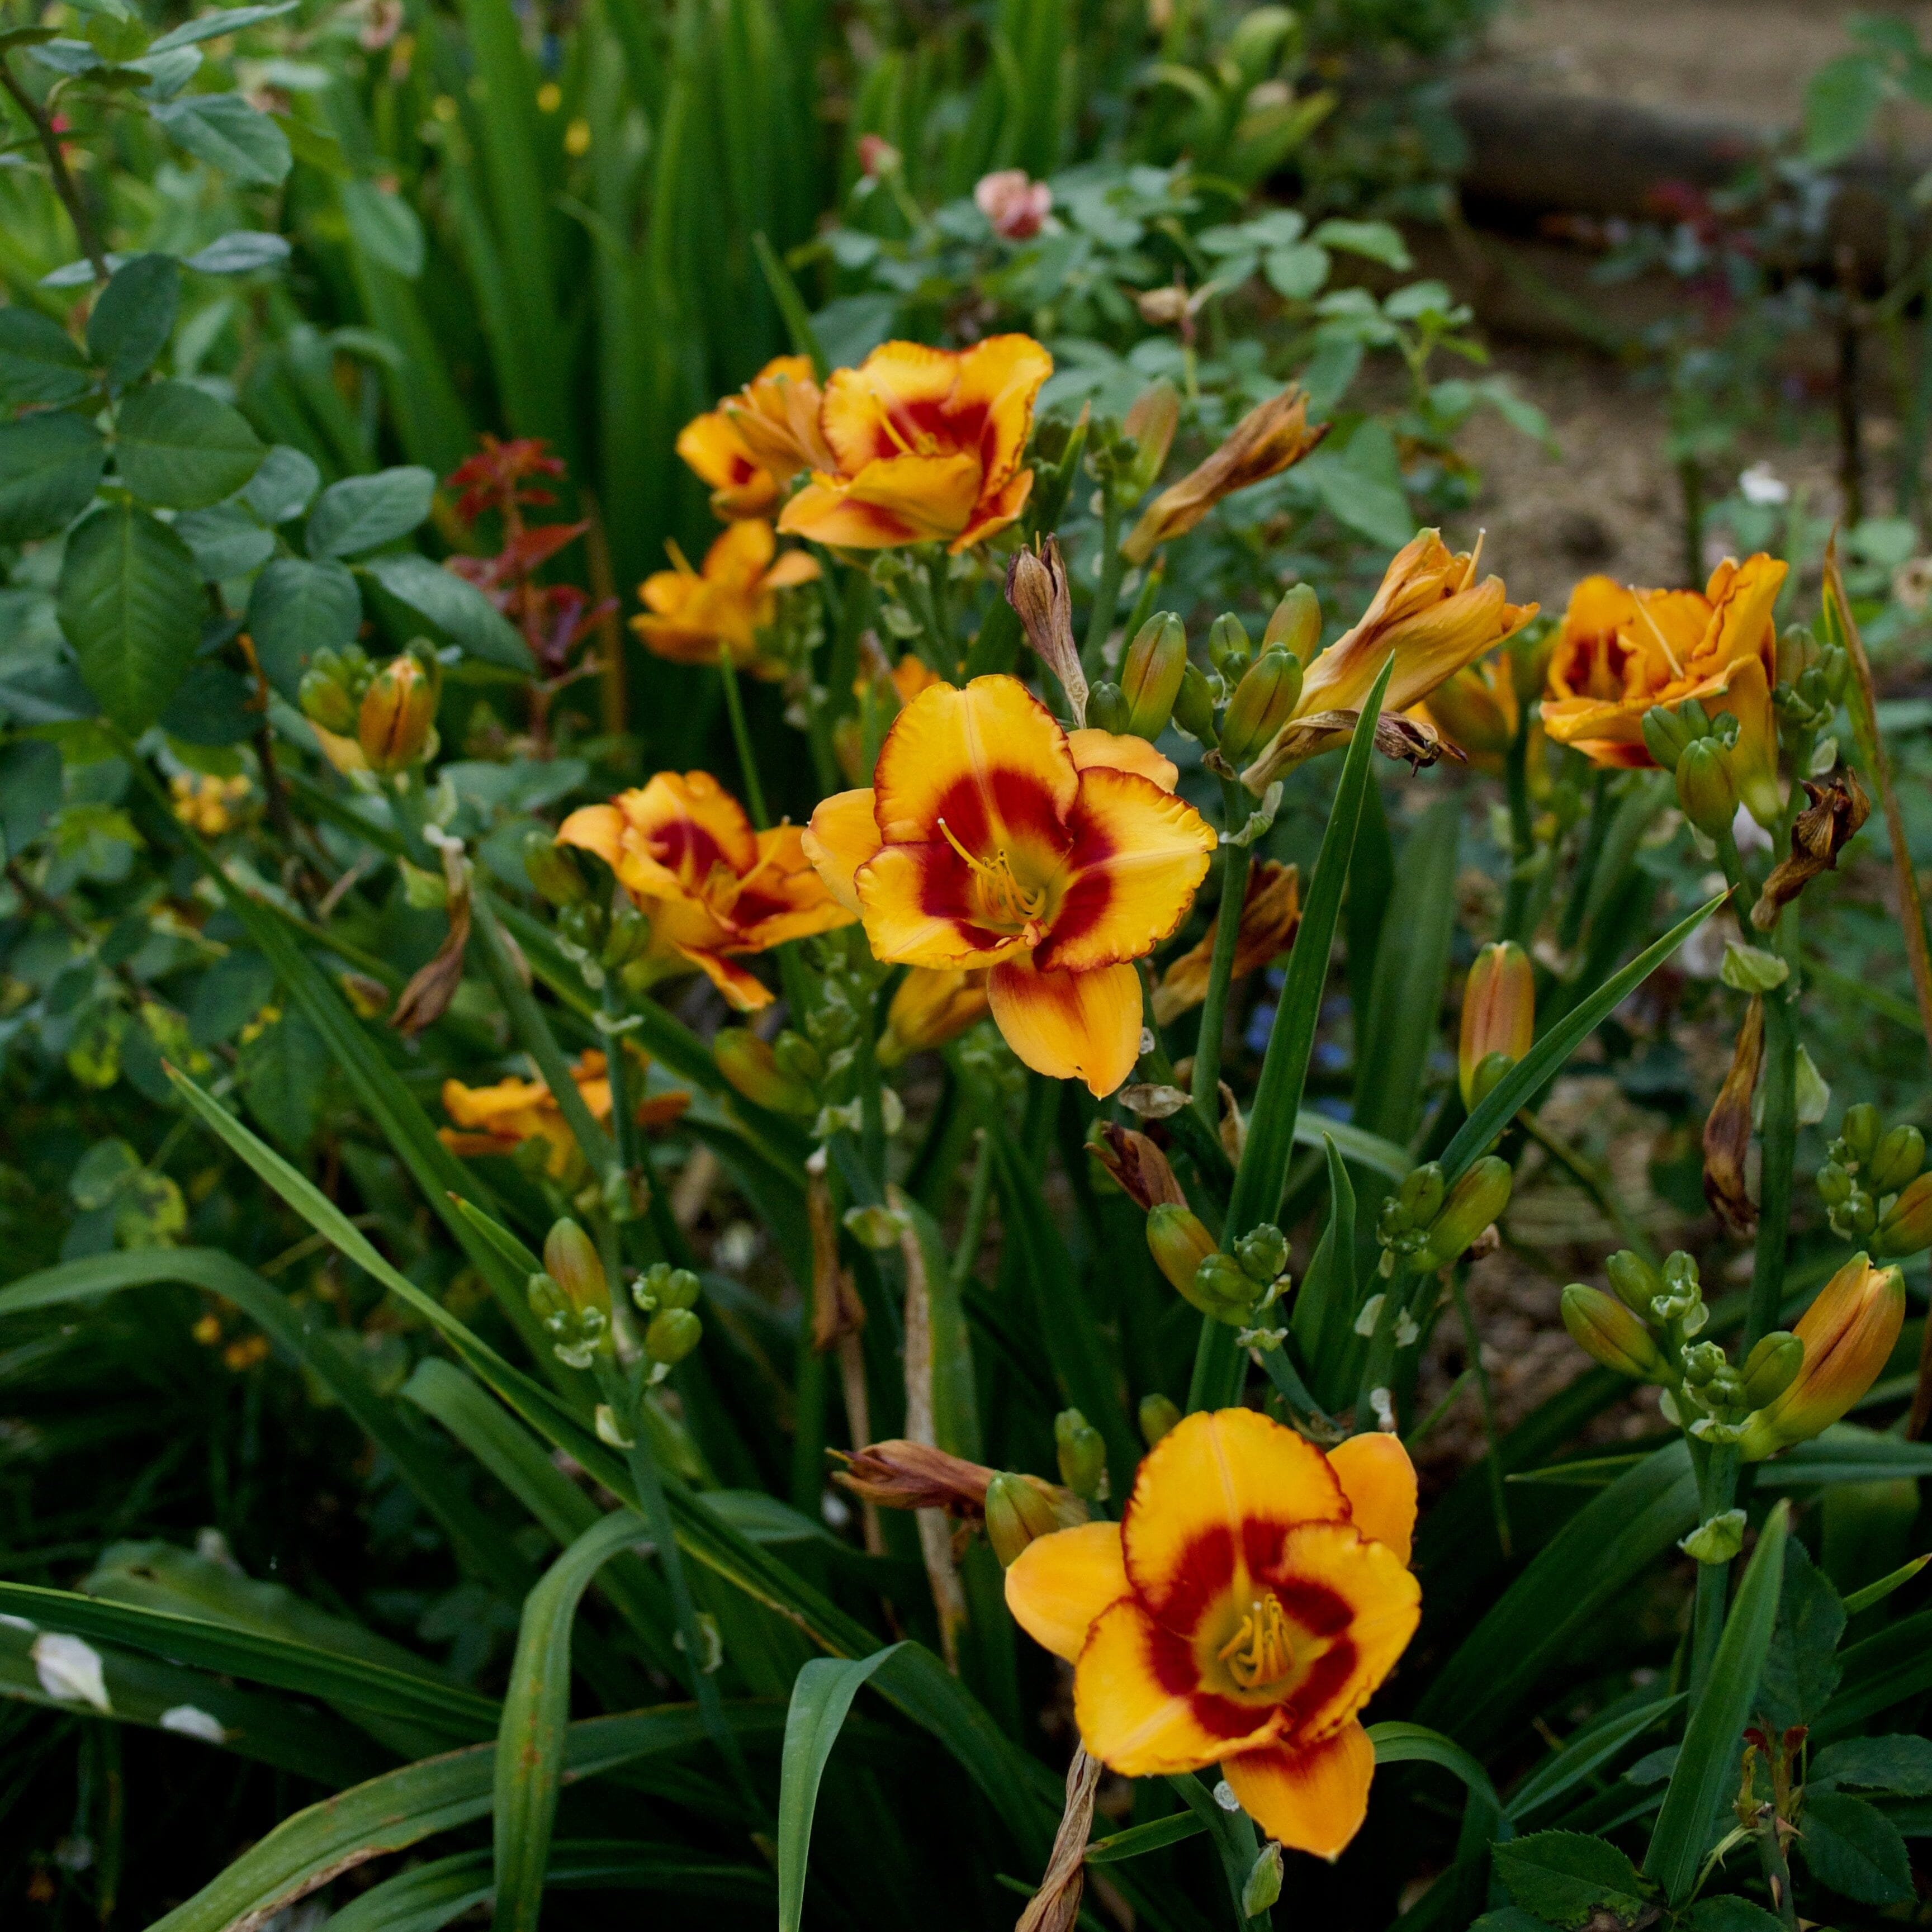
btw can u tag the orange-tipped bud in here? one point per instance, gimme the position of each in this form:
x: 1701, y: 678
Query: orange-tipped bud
x: 753, y: 1070
x: 571, y: 1260
x: 1150, y: 675
x: 1907, y: 1226
x: 1296, y: 625
x: 1607, y: 1332
x: 398, y: 717
x: 933, y: 1004
x: 1151, y: 422
x: 1179, y: 1241
x: 1499, y: 1012
x: 1849, y: 1334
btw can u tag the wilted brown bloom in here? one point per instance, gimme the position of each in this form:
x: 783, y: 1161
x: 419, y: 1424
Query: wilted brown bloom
x: 1266, y: 441
x: 1822, y: 830
x: 426, y: 998
x: 899, y: 1474
x: 1138, y: 1166
x: 1270, y: 911
x: 1036, y: 589
x: 1055, y: 1907
x: 1398, y: 735
x: 1727, y: 1132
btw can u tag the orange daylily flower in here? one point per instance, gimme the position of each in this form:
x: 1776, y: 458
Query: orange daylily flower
x: 990, y: 838
x: 1270, y: 912
x: 890, y: 689
x: 1251, y: 1599
x: 1848, y: 1332
x: 927, y: 446
x: 1622, y: 651
x: 933, y: 1004
x: 498, y: 1119
x: 754, y: 442
x: 693, y: 615
x: 683, y: 849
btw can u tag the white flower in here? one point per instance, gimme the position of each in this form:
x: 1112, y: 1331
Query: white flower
x: 1758, y: 485
x: 70, y: 1669
x: 194, y: 1723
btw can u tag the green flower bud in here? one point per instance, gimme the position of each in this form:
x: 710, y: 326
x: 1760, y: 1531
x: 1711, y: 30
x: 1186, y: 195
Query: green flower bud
x: 1151, y: 674
x: 1835, y: 1186
x: 1706, y: 789
x: 1419, y: 1197
x: 1296, y: 624
x: 1702, y: 1362
x: 1158, y: 1414
x: 331, y: 690
x: 1857, y: 1219
x: 1859, y: 1130
x: 1771, y: 1367
x: 1896, y: 1159
x: 1179, y: 1241
x: 1718, y: 1540
x: 1680, y: 1272
x: 1472, y: 1203
x: 1194, y: 706
x: 752, y: 1069
x: 1017, y: 1512
x: 1262, y: 1252
x: 1082, y: 1454
x: 627, y: 936
x: 548, y: 1303
x: 1227, y: 637
x: 1221, y: 1288
x: 1907, y: 1225
x: 1107, y: 708
x: 1263, y: 702
x: 581, y: 925
x: 673, y: 1333
x: 798, y: 1058
x: 571, y: 1260
x: 552, y: 871
x: 1606, y: 1331
x: 1488, y: 1070
x: 664, y: 1286
x: 1634, y: 1279
x: 1664, y: 735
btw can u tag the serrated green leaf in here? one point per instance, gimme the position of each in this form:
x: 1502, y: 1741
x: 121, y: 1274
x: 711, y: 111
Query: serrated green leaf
x: 134, y: 316
x: 296, y: 609
x: 224, y: 131
x: 39, y: 362
x: 129, y: 603
x: 1801, y: 1668
x: 456, y: 609
x: 50, y: 467
x: 177, y: 447
x: 361, y: 513
x: 226, y: 540
x: 1853, y: 1849
x: 1565, y: 1878
x: 1901, y: 1764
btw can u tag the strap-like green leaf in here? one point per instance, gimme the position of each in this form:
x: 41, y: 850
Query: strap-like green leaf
x: 1415, y: 1743
x: 1706, y: 1771
x: 820, y: 1697
x: 1593, y: 1745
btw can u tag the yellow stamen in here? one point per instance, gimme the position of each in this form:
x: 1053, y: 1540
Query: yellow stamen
x: 678, y: 559
x: 1260, y: 1651
x: 1014, y: 903
x: 1663, y: 642
x: 1475, y: 558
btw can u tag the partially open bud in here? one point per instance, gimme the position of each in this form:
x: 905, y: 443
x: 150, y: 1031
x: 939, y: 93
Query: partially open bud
x: 932, y: 1005
x: 1607, y: 1332
x: 1704, y: 789
x: 673, y: 1333
x: 331, y: 688
x: 1194, y: 706
x: 1137, y: 1166
x: 1151, y: 673
x: 1158, y: 1414
x: 1771, y: 1367
x: 1036, y: 589
x: 552, y: 871
x: 753, y: 1070
x: 1473, y: 1203
x: 571, y: 1260
x: 1082, y: 1453
x: 1296, y: 625
x: 1018, y: 1511
x: 1907, y: 1226
x: 899, y: 1474
x: 1263, y: 702
x: 397, y: 715
x: 1499, y: 1012
x: 1896, y: 1159
x: 1107, y: 708
x: 1179, y: 1241
x: 1849, y: 1334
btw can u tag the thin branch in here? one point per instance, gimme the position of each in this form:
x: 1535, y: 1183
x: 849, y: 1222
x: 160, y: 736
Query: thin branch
x: 65, y: 186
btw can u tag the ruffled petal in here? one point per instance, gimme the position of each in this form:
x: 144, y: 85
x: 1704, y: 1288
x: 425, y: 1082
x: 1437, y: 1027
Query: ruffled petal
x: 740, y: 485
x: 1122, y: 751
x: 1379, y: 1480
x: 994, y: 512
x: 688, y: 823
x: 883, y: 407
x: 794, y: 567
x: 824, y: 511
x: 744, y: 991
x: 1070, y: 1026
x: 1138, y: 857
x: 595, y: 828
x: 1058, y: 1584
x: 783, y: 897
x: 842, y: 836
x: 1215, y: 1500
x: 1139, y: 1703
x: 1312, y: 1799
x: 998, y: 379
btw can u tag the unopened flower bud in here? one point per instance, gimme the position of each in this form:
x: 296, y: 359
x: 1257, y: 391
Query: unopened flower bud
x: 1194, y: 706
x: 1702, y: 1362
x: 799, y: 1057
x: 1151, y: 674
x: 1082, y: 1453
x: 1907, y: 1225
x: 1895, y: 1160
x: 1263, y: 702
x: 627, y: 936
x: 1017, y: 1512
x: 1848, y: 1334
x: 1835, y: 1186
x: 397, y: 715
x: 1296, y: 625
x: 1472, y: 1203
x: 753, y: 1070
x: 673, y: 1333
x: 1227, y: 640
x: 1771, y: 1367
x: 1107, y: 708
x: 1605, y: 1329
x: 1705, y: 788
x: 1634, y: 1279
x: 331, y: 689
x: 1681, y: 1274
x: 1262, y: 1252
x: 1664, y: 735
x: 1223, y: 1289
x: 552, y: 871
x: 1151, y: 422
x: 1498, y: 1013
x: 1179, y: 1241
x: 571, y: 1260
x: 1419, y: 1197
x: 1859, y: 1130
x: 663, y: 1286
x: 1158, y: 1414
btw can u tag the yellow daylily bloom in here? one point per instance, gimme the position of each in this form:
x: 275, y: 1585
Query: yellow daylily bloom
x: 498, y: 1119
x: 691, y: 615
x: 751, y: 445
x: 933, y: 1004
x: 1848, y: 1332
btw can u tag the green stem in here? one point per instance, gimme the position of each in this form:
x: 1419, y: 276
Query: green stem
x: 747, y: 763
x: 1717, y: 1489
x: 1522, y: 842
x: 1107, y: 592
x: 1378, y: 1364
x: 1778, y: 1143
x: 1777, y: 1870
x: 1221, y: 969
x: 1472, y: 1342
x: 973, y: 1230
x: 64, y: 185
x: 1571, y: 929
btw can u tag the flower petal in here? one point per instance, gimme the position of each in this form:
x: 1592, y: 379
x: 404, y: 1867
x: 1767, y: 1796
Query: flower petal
x: 1138, y: 1700
x: 1214, y: 1500
x: 896, y: 500
x: 1070, y: 1026
x: 1059, y: 1583
x: 842, y: 836
x: 1378, y: 1479
x: 744, y: 991
x: 824, y: 511
x: 990, y: 759
x: 1139, y: 854
x: 595, y: 828
x: 1124, y: 752
x: 794, y: 567
x: 883, y: 407
x: 782, y: 897
x: 917, y: 904
x: 994, y: 512
x: 686, y: 823
x: 1312, y: 1799
x: 740, y: 484
x: 992, y: 403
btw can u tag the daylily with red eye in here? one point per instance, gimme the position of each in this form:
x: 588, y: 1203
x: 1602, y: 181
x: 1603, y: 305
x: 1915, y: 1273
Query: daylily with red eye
x: 755, y: 442
x: 1251, y: 1599
x: 683, y: 849
x: 927, y: 446
x: 691, y: 616
x: 992, y: 838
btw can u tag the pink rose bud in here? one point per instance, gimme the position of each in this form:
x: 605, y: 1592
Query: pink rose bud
x: 1016, y: 206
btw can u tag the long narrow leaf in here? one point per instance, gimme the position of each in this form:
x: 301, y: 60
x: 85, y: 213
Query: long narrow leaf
x: 1398, y: 1743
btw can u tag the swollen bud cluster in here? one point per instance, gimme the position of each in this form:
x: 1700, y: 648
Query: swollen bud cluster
x: 390, y: 710
x: 1231, y: 1288
x: 1082, y: 1455
x: 782, y: 1076
x: 1425, y: 1225
x: 1243, y: 698
x: 667, y: 1297
x: 1688, y: 741
x: 571, y: 1297
x: 1811, y: 678
x: 1873, y: 1187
